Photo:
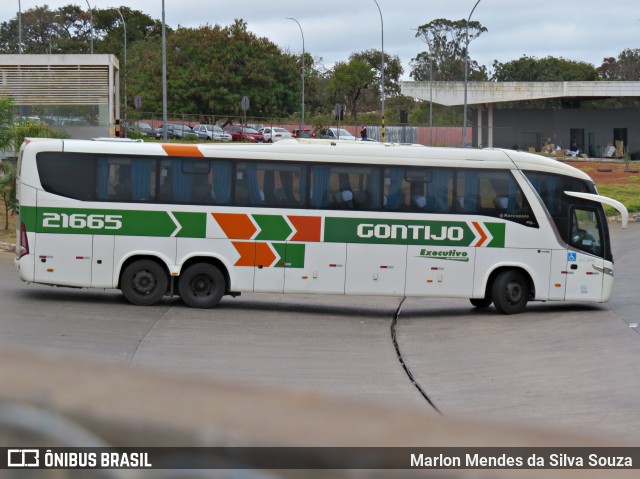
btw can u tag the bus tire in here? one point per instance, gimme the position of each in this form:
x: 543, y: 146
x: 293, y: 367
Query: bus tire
x: 202, y: 285
x: 510, y: 292
x: 481, y: 302
x: 144, y: 282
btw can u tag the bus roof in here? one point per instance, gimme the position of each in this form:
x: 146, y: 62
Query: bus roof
x: 356, y: 152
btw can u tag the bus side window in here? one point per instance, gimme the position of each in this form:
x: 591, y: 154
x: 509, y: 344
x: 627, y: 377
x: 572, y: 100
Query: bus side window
x: 395, y: 189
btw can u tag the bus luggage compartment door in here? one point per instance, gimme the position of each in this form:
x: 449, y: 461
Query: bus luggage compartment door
x: 376, y: 269
x: 102, y: 262
x: 63, y: 259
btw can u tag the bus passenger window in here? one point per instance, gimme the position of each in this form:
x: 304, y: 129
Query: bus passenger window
x: 395, y: 189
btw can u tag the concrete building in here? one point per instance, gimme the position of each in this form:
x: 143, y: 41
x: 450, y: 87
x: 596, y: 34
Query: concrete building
x: 79, y: 94
x: 593, y: 129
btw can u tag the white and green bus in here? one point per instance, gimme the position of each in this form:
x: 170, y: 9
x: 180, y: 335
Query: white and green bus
x: 310, y: 216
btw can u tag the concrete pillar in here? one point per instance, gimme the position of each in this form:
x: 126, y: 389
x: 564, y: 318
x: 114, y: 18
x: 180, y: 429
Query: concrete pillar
x: 479, y: 126
x: 490, y: 125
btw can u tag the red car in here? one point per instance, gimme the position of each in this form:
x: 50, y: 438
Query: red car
x: 242, y: 133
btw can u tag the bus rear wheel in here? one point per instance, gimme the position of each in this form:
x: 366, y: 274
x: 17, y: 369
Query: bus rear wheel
x: 202, y: 285
x: 144, y: 282
x: 510, y: 292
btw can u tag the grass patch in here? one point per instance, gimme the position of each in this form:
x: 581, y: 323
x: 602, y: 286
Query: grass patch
x: 627, y: 194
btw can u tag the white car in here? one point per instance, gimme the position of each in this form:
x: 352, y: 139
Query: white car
x: 336, y: 134
x: 211, y: 132
x: 275, y: 134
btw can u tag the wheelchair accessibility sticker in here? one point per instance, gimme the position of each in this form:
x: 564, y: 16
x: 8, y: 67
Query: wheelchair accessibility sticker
x: 572, y: 256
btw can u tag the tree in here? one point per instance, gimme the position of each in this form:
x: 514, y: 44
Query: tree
x: 210, y: 69
x: 12, y: 134
x: 546, y: 69
x: 348, y: 81
x: 8, y: 190
x: 447, y: 40
x: 68, y: 30
x: 624, y: 68
x: 392, y: 69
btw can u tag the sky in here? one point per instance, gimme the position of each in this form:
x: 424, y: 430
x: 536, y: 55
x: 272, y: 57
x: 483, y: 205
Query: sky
x: 584, y: 30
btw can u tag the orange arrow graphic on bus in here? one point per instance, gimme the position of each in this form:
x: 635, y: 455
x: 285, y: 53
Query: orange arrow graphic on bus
x: 247, y: 253
x: 307, y: 228
x: 483, y: 235
x: 182, y: 150
x: 254, y: 254
x: 235, y: 226
x: 264, y: 255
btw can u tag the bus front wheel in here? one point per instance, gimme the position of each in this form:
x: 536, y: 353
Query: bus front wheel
x: 202, y: 285
x: 144, y: 282
x: 510, y: 292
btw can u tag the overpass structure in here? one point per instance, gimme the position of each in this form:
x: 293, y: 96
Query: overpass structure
x: 488, y: 94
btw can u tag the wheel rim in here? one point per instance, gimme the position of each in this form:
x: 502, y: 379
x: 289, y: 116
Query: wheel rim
x: 514, y: 292
x: 144, y: 282
x: 201, y: 285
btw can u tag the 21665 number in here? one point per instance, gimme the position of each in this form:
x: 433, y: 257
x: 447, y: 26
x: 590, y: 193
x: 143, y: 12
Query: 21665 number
x: 81, y: 221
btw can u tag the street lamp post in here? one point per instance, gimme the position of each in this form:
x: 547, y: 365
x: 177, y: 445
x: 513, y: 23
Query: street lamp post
x: 164, y: 77
x: 19, y: 27
x: 51, y: 28
x: 91, y: 20
x: 302, y: 108
x: 124, y: 27
x: 430, y: 95
x: 466, y: 62
x: 382, y: 69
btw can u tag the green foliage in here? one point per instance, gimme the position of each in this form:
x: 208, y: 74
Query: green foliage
x: 627, y: 194
x: 624, y: 68
x: 392, y: 69
x: 446, y: 41
x: 348, y: 81
x: 548, y: 69
x: 210, y: 69
x: 6, y: 121
x: 442, y: 115
x: 8, y: 190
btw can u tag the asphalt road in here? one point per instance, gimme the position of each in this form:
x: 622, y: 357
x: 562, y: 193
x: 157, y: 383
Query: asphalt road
x: 570, y: 366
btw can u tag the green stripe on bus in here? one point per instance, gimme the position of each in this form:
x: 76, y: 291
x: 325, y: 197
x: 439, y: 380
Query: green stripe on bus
x: 116, y: 222
x: 437, y: 233
x: 272, y: 227
x: 293, y: 254
x: 194, y: 225
x: 497, y: 230
x: 28, y: 217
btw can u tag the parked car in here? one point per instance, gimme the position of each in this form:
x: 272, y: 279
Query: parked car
x: 176, y: 131
x: 275, y: 133
x: 138, y: 127
x: 336, y: 134
x: 306, y: 133
x: 211, y: 132
x: 244, y: 133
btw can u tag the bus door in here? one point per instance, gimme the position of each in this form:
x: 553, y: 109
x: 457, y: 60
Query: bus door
x: 585, y: 263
